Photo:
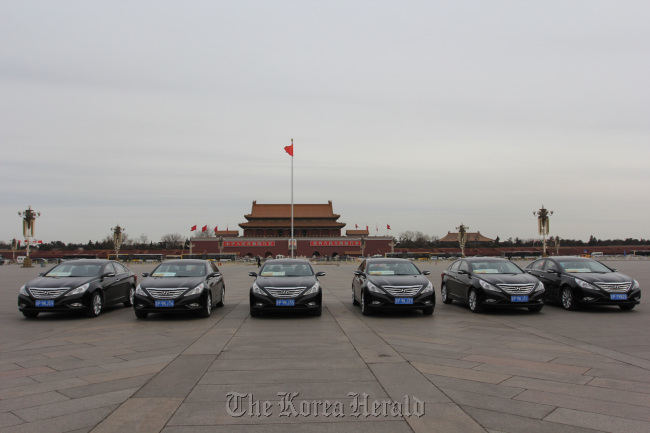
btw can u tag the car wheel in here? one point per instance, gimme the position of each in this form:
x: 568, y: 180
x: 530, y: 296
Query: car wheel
x: 444, y: 295
x: 207, y: 309
x: 568, y: 299
x: 427, y: 311
x: 30, y: 314
x: 96, y: 305
x: 223, y: 297
x: 622, y: 307
x: 141, y: 314
x: 472, y: 300
x: 365, y: 308
x: 535, y: 308
x: 131, y: 300
x: 255, y: 313
x: 354, y: 300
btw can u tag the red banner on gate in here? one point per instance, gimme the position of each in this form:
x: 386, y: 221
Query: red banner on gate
x: 249, y: 244
x: 335, y: 243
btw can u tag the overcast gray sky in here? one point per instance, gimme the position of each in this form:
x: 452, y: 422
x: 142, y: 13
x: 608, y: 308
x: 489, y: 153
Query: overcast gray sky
x: 159, y: 115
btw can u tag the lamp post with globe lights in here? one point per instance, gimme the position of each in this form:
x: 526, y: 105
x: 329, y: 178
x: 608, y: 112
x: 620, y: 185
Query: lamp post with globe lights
x: 462, y: 238
x: 29, y: 218
x: 543, y: 224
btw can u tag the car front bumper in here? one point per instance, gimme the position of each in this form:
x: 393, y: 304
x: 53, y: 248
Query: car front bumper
x: 301, y: 303
x: 503, y: 300
x: 181, y: 304
x: 386, y: 301
x: 61, y: 304
x: 597, y: 297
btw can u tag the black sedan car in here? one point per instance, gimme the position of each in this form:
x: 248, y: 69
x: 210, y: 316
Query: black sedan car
x: 490, y: 282
x: 179, y: 286
x: 393, y: 284
x: 576, y: 281
x: 286, y: 285
x: 78, y: 285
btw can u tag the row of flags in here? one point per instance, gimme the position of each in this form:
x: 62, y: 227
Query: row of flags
x: 205, y: 228
x: 376, y: 227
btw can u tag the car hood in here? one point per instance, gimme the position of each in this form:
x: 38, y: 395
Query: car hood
x: 58, y: 282
x: 171, y: 282
x: 398, y: 280
x: 285, y: 282
x: 495, y: 279
x: 594, y: 277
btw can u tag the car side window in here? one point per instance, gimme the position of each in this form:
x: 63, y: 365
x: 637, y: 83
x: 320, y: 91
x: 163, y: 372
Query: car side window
x: 120, y: 268
x: 109, y: 268
x: 550, y: 265
x: 454, y: 266
x: 463, y: 266
x: 213, y: 267
x: 362, y: 266
x: 538, y: 265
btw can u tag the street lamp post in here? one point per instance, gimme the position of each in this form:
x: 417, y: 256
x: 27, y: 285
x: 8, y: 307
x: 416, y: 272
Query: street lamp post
x: 543, y: 219
x: 462, y: 238
x: 29, y: 218
x: 117, y: 240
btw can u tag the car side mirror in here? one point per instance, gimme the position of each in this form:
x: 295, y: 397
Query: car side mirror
x: 145, y: 274
x: 552, y: 271
x: 358, y: 273
x: 108, y: 274
x: 426, y: 272
x: 214, y: 274
x: 320, y: 274
x: 252, y: 274
x: 463, y: 272
x: 614, y: 269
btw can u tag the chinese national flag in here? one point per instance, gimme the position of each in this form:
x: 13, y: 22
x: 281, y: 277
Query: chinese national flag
x: 216, y: 229
x: 289, y: 149
x: 387, y: 226
x: 193, y: 228
x: 356, y: 226
x: 366, y: 227
x: 204, y: 229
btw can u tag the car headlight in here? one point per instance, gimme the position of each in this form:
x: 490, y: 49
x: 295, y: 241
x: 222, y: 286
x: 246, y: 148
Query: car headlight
x: 539, y: 287
x: 488, y: 286
x: 79, y: 290
x: 374, y: 288
x: 635, y: 285
x: 196, y: 291
x: 257, y: 290
x: 427, y: 289
x: 312, y: 289
x: 23, y: 291
x: 585, y: 285
x: 139, y: 291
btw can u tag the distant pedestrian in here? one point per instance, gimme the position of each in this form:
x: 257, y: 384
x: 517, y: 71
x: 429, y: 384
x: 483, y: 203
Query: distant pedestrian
x: 258, y: 260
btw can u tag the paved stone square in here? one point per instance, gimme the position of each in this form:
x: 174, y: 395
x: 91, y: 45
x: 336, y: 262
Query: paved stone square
x: 502, y: 371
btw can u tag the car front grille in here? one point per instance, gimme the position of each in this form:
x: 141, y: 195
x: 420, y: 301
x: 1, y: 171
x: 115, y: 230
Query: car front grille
x: 615, y: 287
x: 48, y: 293
x: 517, y: 289
x: 285, y: 292
x: 166, y: 293
x: 402, y: 290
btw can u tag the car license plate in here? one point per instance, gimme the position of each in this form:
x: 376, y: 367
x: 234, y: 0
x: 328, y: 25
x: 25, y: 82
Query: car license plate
x: 48, y: 303
x: 285, y: 302
x: 164, y: 304
x: 618, y: 297
x: 403, y: 300
x: 521, y: 298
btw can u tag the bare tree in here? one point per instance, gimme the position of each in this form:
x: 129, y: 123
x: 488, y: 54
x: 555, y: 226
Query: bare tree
x: 208, y: 233
x: 172, y: 240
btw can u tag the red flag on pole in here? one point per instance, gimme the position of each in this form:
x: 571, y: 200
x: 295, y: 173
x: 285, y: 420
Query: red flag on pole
x: 216, y: 229
x: 289, y: 149
x: 205, y: 228
x: 387, y: 226
x: 367, y: 227
x: 356, y: 226
x: 193, y: 228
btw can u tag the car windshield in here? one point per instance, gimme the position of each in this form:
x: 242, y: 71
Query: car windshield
x: 583, y: 266
x: 173, y: 270
x: 492, y: 267
x: 286, y: 270
x: 75, y: 270
x: 392, y: 268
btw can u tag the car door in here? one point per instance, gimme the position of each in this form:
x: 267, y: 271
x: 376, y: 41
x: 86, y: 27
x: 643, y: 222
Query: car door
x: 110, y: 284
x: 216, y: 282
x: 463, y: 279
x: 452, y: 281
x: 552, y: 280
x: 122, y: 282
x: 359, y: 280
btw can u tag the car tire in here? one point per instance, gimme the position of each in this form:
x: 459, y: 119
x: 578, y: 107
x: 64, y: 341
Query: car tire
x: 427, y: 311
x: 206, y: 311
x: 129, y: 303
x: 255, y: 313
x: 30, y: 314
x: 568, y: 299
x: 444, y: 295
x: 472, y: 300
x: 354, y: 300
x: 223, y: 297
x: 141, y: 314
x: 365, y: 308
x: 96, y: 305
x: 626, y: 307
x: 535, y: 308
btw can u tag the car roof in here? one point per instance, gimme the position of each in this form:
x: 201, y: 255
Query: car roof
x: 86, y: 261
x: 485, y: 259
x: 387, y: 259
x: 302, y: 261
x: 184, y: 262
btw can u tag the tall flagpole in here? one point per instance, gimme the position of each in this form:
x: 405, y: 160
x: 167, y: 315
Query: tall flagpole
x: 292, y: 239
